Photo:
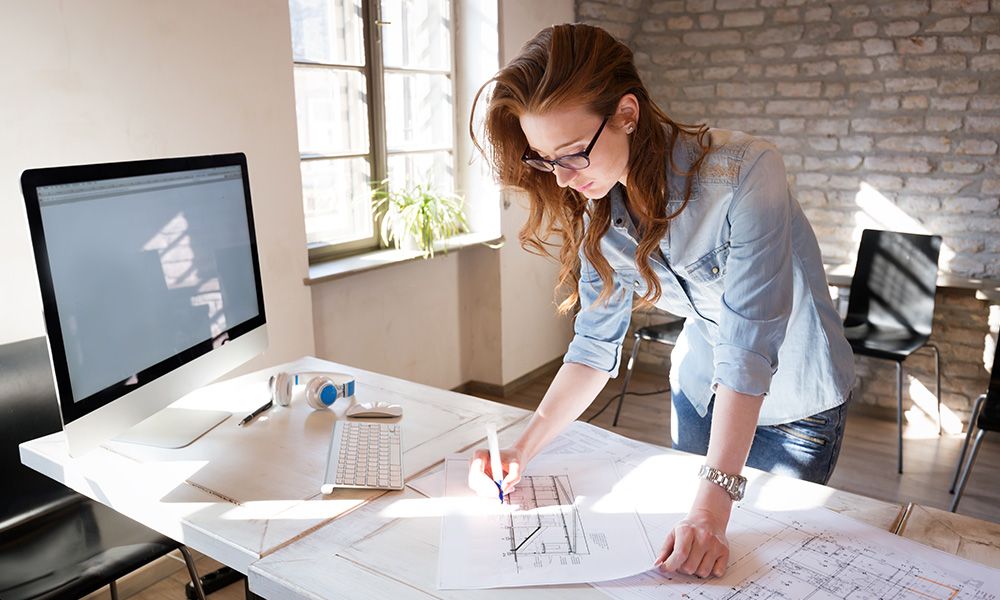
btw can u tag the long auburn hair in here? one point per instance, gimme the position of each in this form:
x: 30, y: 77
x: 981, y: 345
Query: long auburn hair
x: 578, y: 64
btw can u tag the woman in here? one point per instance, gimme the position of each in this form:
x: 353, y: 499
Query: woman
x: 697, y: 221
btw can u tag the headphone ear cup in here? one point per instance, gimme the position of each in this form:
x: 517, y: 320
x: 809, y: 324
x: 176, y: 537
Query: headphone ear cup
x: 321, y: 393
x: 280, y: 385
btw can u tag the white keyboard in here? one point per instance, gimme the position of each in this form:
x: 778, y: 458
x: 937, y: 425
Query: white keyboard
x: 364, y: 455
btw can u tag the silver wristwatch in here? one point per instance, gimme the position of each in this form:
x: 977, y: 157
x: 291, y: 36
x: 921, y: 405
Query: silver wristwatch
x: 734, y: 485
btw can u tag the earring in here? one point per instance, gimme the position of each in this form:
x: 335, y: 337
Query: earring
x: 629, y: 128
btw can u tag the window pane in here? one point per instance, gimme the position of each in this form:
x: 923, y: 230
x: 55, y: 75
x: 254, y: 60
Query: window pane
x: 418, y: 35
x: 418, y: 111
x: 331, y: 106
x: 430, y: 168
x: 330, y: 31
x: 336, y: 197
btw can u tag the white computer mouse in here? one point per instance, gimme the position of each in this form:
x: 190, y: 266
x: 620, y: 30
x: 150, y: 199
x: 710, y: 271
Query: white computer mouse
x: 374, y: 410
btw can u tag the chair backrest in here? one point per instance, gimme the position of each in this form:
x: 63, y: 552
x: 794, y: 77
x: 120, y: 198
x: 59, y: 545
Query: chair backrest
x: 28, y: 409
x: 895, y: 280
x: 989, y: 415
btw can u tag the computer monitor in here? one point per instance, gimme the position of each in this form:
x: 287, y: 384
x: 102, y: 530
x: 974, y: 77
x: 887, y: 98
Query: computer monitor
x: 151, y: 288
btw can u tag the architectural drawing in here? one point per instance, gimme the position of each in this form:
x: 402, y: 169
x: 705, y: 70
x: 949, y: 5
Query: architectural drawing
x: 822, y: 556
x: 546, y: 522
x: 547, y: 531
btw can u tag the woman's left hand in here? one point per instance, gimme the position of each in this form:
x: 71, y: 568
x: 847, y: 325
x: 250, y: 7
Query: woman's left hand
x: 696, y: 545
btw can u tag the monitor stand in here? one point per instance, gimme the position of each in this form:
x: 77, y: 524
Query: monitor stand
x: 173, y: 427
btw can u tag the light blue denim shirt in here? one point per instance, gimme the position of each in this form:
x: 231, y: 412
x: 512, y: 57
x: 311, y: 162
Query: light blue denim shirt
x: 741, y: 263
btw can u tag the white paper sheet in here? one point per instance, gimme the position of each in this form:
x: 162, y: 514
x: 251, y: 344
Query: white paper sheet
x: 818, y: 554
x: 549, y: 533
x: 795, y: 553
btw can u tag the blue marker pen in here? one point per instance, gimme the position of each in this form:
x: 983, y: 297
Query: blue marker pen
x: 496, y: 465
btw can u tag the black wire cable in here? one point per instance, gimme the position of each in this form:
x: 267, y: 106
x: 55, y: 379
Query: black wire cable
x: 617, y: 396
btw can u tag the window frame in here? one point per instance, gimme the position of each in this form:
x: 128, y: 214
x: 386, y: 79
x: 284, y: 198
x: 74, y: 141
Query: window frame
x: 378, y: 153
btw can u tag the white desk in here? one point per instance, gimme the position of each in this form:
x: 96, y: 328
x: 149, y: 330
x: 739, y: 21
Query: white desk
x: 249, y: 497
x: 389, y: 547
x: 238, y: 494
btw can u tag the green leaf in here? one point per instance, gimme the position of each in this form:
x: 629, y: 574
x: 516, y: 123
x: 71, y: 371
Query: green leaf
x: 418, y: 212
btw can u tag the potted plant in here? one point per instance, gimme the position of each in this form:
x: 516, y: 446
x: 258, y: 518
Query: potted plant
x: 417, y: 215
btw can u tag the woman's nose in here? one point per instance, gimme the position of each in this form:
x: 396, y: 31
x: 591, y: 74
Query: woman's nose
x: 563, y: 176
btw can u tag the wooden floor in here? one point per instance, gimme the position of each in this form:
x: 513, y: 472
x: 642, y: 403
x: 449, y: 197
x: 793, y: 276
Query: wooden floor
x: 867, y: 462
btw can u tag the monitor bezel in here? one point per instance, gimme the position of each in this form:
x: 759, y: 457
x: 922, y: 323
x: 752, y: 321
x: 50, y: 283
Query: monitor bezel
x: 32, y: 179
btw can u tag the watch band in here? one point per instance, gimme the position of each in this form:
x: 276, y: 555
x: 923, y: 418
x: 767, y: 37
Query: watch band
x: 735, y: 485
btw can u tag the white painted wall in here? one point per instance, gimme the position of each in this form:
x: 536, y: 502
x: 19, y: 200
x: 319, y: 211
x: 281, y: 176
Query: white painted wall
x: 111, y: 80
x: 532, y: 332
x: 402, y: 320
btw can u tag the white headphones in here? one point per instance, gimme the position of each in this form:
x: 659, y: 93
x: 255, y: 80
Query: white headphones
x: 321, y: 391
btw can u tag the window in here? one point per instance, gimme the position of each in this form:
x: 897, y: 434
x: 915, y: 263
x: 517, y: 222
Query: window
x: 374, y: 97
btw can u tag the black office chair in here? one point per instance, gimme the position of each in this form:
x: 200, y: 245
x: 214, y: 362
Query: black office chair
x: 891, y: 307
x: 663, y: 333
x: 55, y: 543
x: 985, y: 417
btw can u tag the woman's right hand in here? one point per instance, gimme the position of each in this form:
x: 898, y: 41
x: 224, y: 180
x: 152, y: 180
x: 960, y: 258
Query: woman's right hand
x: 481, y: 478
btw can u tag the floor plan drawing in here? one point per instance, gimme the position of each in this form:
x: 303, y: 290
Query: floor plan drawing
x: 547, y: 531
x: 534, y: 532
x: 822, y: 556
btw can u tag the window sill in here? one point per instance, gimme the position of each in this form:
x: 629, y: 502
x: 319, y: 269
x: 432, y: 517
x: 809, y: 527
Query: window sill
x: 338, y: 268
x: 986, y: 289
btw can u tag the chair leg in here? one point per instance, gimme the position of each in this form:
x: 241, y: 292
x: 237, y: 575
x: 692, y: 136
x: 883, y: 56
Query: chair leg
x: 968, y: 436
x: 968, y: 469
x: 899, y: 417
x: 628, y: 376
x: 193, y: 572
x: 937, y: 382
x: 113, y: 588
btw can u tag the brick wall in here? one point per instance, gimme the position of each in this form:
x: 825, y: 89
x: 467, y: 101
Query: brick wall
x: 887, y: 114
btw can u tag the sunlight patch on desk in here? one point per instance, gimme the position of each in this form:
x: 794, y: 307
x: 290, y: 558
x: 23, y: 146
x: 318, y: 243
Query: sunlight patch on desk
x: 160, y: 478
x: 262, y: 510
x: 652, y: 487
x: 777, y: 494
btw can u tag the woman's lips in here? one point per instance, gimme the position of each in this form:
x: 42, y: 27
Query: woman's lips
x: 585, y: 188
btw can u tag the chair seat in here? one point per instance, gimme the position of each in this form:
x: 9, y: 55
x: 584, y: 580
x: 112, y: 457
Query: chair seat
x: 74, y: 551
x: 664, y: 333
x: 894, y: 344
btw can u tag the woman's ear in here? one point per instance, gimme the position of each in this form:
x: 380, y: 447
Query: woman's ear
x: 627, y: 114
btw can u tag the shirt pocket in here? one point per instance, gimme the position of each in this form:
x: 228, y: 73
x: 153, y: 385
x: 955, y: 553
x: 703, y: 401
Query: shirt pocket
x: 711, y: 267
x: 706, y: 282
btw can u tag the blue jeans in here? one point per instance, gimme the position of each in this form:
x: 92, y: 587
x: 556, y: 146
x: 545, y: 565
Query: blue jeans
x: 805, y: 449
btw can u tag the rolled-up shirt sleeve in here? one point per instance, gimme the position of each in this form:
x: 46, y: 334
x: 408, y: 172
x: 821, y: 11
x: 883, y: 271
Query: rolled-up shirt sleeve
x: 757, y: 300
x: 600, y: 327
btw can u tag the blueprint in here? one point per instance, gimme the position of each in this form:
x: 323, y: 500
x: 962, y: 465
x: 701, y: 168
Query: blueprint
x: 547, y: 522
x: 545, y: 532
x: 821, y: 555
x: 781, y: 547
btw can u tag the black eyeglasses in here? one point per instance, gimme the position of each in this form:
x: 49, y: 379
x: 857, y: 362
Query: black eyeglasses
x: 573, y: 162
